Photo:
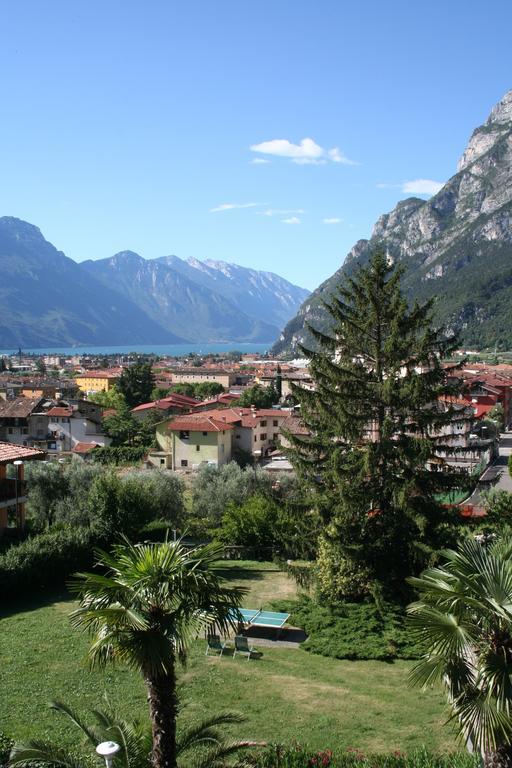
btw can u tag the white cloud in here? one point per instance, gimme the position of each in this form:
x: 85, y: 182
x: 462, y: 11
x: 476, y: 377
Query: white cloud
x: 232, y: 206
x: 259, y: 161
x: 292, y: 220
x: 332, y: 220
x: 421, y: 187
x: 307, y: 152
x: 280, y: 211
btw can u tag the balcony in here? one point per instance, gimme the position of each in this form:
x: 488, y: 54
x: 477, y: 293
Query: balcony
x: 8, y: 492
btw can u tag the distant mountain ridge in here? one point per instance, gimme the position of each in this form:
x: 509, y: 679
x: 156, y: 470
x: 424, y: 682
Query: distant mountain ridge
x: 457, y: 245
x: 47, y: 298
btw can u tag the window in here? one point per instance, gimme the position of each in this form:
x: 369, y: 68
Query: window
x: 204, y: 434
x: 162, y: 461
x: 275, y: 423
x: 263, y: 436
x: 255, y: 438
x: 184, y: 434
x: 263, y: 423
x: 184, y: 463
x: 237, y: 437
x: 198, y: 447
x: 10, y: 430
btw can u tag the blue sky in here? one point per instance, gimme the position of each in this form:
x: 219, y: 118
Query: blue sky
x: 126, y: 124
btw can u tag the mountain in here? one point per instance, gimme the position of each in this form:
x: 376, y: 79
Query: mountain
x: 202, y: 301
x: 457, y: 245
x: 48, y: 299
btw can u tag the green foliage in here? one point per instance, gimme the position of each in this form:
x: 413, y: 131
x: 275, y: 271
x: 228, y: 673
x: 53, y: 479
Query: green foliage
x: 136, y: 384
x: 260, y: 397
x: 123, y: 505
x: 298, y: 756
x: 356, y: 631
x: 250, y: 524
x: 497, y: 414
x: 6, y: 744
x: 464, y: 619
x: 119, y: 454
x: 158, y: 393
x: 108, y: 399
x: 57, y: 493
x: 373, y: 418
x: 122, y: 427
x: 202, y: 390
x: 213, y: 488
x: 46, y: 560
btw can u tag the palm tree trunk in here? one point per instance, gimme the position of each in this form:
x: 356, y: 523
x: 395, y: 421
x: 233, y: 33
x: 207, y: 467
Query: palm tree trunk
x: 501, y: 758
x: 163, y: 709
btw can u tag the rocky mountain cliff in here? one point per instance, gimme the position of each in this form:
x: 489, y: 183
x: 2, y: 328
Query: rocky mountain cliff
x: 457, y: 245
x: 48, y: 299
x: 202, y: 301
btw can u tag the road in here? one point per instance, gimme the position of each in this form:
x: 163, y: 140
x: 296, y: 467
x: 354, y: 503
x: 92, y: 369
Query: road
x: 504, y: 481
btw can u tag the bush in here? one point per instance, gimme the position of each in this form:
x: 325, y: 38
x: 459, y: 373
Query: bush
x: 297, y: 756
x: 214, y: 488
x: 6, y: 744
x: 46, y: 560
x: 120, y: 454
x: 357, y: 631
x: 250, y: 525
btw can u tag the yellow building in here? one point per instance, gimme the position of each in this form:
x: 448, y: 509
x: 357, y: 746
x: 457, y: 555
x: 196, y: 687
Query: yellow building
x: 98, y: 381
x: 192, y: 440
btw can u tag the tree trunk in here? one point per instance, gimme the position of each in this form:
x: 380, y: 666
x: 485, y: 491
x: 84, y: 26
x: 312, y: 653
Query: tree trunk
x: 163, y: 709
x: 501, y: 758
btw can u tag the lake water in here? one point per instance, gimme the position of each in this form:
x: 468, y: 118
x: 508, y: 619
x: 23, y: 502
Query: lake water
x: 174, y: 350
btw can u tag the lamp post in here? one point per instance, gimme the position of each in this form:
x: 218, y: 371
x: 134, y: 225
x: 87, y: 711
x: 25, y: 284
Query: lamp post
x: 17, y: 464
x: 108, y: 750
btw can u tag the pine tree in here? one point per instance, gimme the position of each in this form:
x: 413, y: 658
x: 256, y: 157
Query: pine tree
x: 381, y: 400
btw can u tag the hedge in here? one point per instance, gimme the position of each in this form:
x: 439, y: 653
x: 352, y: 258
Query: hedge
x: 121, y: 454
x: 46, y: 560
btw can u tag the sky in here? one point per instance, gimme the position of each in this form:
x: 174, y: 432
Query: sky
x: 271, y: 134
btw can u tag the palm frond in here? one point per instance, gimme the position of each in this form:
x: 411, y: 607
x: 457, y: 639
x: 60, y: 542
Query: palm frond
x: 30, y: 753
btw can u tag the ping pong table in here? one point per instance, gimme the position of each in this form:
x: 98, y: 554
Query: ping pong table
x: 253, y: 618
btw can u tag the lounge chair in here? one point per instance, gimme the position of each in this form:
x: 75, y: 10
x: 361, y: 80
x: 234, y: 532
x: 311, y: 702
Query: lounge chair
x: 214, y: 643
x: 242, y: 646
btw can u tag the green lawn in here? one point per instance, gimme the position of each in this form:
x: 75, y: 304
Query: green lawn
x: 287, y: 695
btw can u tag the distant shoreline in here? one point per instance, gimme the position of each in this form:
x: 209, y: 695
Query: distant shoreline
x: 174, y: 350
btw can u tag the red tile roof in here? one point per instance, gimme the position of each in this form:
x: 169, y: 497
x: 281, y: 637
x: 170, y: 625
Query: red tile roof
x: 10, y: 452
x: 197, y: 423
x: 174, y: 400
x: 59, y: 410
x: 85, y: 447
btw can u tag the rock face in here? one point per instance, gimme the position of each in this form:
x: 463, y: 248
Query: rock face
x: 457, y: 245
x: 202, y: 301
x: 47, y: 299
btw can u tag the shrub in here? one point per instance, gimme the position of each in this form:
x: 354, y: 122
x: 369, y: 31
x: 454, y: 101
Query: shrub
x: 6, y: 744
x: 357, y: 631
x: 250, y: 525
x: 46, y: 560
x: 297, y: 756
x: 120, y: 454
x: 214, y: 488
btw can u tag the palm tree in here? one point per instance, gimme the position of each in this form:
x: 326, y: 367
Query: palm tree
x: 209, y: 747
x: 464, y: 618
x: 144, y: 609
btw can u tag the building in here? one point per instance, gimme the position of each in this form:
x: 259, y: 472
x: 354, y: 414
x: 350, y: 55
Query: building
x: 187, y: 441
x: 192, y: 440
x: 13, y: 495
x: 23, y: 420
x: 200, y: 375
x: 166, y: 406
x: 69, y: 426
x: 98, y: 381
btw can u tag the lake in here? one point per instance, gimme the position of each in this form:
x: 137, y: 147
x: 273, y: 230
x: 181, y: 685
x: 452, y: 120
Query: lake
x: 175, y: 350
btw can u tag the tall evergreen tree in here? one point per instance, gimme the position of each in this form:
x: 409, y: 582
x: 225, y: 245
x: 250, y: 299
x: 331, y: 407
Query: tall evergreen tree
x: 375, y: 420
x: 136, y: 384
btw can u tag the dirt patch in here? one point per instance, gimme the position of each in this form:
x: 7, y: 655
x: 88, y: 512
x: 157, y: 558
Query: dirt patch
x: 306, y: 694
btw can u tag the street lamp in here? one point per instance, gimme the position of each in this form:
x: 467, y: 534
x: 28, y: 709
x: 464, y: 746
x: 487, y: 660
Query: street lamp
x: 107, y: 750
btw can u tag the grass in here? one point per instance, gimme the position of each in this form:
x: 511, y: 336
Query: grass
x: 287, y: 695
